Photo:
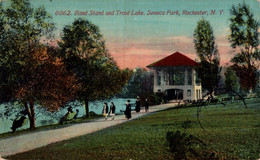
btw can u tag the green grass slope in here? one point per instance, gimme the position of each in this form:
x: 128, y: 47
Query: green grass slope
x: 231, y: 131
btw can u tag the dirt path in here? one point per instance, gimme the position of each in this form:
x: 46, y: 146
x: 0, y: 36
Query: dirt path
x: 31, y: 141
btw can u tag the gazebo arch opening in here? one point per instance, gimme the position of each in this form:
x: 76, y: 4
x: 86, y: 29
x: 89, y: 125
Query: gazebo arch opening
x: 175, y: 94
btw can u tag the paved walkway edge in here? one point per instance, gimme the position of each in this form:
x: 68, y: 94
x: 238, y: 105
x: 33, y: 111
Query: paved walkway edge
x: 30, y: 141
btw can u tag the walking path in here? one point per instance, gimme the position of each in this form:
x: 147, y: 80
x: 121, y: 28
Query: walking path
x: 31, y: 141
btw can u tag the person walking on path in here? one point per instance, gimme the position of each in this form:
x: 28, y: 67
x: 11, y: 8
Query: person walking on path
x: 137, y: 104
x: 128, y: 110
x: 105, y: 110
x: 112, y: 110
x: 146, y: 105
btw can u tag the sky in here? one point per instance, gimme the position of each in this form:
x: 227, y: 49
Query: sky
x: 139, y: 40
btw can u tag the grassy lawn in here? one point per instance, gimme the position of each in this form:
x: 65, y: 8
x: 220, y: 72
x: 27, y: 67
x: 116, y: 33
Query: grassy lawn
x: 230, y: 130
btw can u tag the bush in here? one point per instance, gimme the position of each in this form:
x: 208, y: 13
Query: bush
x: 186, y: 124
x: 184, y: 146
x: 154, y: 99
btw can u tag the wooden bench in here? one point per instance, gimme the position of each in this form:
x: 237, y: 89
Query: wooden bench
x: 69, y: 116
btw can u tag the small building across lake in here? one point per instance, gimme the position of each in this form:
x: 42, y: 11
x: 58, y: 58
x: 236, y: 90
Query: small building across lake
x: 176, y: 75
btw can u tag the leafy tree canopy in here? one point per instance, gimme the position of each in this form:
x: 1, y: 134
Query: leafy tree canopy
x: 204, y: 42
x: 243, y: 28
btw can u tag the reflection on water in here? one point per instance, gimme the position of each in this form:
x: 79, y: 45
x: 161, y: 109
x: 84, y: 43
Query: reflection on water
x: 46, y: 119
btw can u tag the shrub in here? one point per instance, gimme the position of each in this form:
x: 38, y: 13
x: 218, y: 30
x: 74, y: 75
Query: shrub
x: 186, y: 124
x: 154, y: 99
x: 184, y: 146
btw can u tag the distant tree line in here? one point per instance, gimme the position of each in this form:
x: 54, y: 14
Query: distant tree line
x: 140, y: 84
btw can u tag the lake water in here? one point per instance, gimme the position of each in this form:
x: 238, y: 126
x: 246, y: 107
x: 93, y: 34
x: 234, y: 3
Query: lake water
x: 45, y: 118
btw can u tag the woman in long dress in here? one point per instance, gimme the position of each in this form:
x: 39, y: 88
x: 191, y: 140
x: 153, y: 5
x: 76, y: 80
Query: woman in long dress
x: 112, y: 110
x: 105, y: 110
x: 128, y: 110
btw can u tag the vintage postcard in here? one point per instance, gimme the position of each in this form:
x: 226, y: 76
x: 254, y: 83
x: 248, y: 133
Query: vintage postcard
x: 129, y: 79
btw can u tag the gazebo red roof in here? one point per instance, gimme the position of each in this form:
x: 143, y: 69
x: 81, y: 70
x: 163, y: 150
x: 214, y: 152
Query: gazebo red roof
x: 175, y: 59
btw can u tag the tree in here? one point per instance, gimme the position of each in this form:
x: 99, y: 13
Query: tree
x: 244, y: 35
x: 21, y: 29
x: 232, y: 83
x: 204, y: 42
x: 48, y: 84
x: 83, y: 50
x: 231, y: 80
x: 29, y: 71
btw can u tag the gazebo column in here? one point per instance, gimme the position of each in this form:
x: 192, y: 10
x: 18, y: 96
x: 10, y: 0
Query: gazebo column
x: 162, y: 80
x: 155, y: 80
x: 185, y: 83
x: 186, y: 77
x: 193, y: 93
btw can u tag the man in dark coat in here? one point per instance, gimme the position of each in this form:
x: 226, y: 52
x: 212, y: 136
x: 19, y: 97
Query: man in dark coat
x: 137, y: 104
x: 128, y: 110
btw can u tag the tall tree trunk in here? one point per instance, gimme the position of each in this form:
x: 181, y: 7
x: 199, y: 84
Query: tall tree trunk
x: 32, y: 119
x: 87, y: 109
x: 28, y: 110
x: 31, y: 113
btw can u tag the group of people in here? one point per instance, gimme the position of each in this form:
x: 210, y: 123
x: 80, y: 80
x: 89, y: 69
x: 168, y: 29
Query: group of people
x: 106, y: 111
x: 111, y: 112
x: 138, y: 105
